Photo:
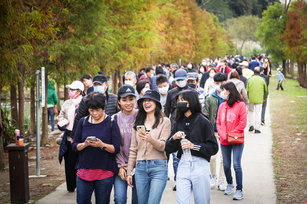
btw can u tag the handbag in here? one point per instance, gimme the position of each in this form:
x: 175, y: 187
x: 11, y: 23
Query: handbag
x: 233, y: 138
x: 55, y: 109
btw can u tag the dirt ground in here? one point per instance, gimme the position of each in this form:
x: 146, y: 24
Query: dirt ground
x: 39, y: 187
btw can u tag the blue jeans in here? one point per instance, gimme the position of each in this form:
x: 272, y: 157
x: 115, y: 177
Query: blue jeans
x: 263, y: 111
x: 102, y: 190
x: 150, y: 180
x: 120, y: 191
x: 193, y: 176
x: 237, y: 155
x: 51, y: 117
x: 175, y: 164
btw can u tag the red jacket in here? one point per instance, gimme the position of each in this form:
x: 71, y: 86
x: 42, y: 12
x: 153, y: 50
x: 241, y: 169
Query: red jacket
x: 236, y: 120
x: 228, y: 69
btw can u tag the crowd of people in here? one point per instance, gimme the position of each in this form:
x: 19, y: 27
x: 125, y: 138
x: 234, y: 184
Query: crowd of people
x: 186, y: 111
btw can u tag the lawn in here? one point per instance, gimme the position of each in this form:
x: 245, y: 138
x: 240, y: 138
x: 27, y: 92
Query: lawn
x: 289, y: 126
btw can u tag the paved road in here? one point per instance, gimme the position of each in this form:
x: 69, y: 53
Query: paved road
x: 258, y: 178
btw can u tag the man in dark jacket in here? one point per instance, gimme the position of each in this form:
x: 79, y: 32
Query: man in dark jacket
x: 100, y: 83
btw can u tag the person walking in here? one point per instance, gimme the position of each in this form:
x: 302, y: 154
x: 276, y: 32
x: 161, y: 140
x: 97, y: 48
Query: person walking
x: 231, y: 117
x: 257, y: 92
x: 235, y: 78
x: 181, y: 78
x: 97, y: 141
x: 281, y: 79
x: 149, y: 134
x: 211, y: 106
x: 52, y: 100
x: 267, y: 81
x: 193, y: 138
x: 101, y: 85
x: 66, y: 120
x: 125, y: 120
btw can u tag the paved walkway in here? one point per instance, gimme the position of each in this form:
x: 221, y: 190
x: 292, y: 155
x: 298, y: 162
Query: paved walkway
x: 258, y: 177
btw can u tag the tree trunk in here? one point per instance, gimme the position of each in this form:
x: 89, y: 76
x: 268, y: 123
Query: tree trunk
x: 2, y: 160
x: 302, y: 75
x: 114, y: 82
x: 14, y: 113
x: 291, y: 69
x: 44, y: 138
x: 21, y: 100
x: 284, y: 71
x: 59, y: 97
x: 32, y: 129
x: 66, y: 96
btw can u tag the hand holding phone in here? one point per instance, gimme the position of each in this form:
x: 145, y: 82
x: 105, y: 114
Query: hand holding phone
x: 92, y: 138
x: 141, y: 129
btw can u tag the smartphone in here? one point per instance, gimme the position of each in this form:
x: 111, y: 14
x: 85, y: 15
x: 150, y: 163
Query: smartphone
x: 92, y: 138
x: 140, y: 128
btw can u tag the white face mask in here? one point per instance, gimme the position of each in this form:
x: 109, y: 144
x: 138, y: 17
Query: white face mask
x: 218, y: 88
x: 211, y: 75
x: 100, y: 89
x: 129, y: 83
x: 201, y: 70
x: 144, y: 90
x: 189, y: 66
x: 163, y: 90
x: 223, y: 95
x: 181, y: 83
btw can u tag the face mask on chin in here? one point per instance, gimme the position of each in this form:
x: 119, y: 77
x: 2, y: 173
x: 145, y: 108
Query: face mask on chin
x: 100, y: 89
x: 181, y: 83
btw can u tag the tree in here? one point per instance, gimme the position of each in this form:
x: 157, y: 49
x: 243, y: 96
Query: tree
x: 270, y: 31
x: 243, y: 28
x: 295, y: 38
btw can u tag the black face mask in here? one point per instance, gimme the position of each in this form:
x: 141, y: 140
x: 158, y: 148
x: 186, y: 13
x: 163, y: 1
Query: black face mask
x: 182, y: 106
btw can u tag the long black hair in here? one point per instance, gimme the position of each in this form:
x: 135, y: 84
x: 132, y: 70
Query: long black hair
x: 141, y: 116
x: 234, y: 95
x: 194, y: 104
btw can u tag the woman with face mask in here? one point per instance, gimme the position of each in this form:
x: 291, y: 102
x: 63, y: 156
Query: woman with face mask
x: 142, y: 87
x: 192, y: 133
x: 234, y: 111
x: 65, y: 123
x: 209, y: 85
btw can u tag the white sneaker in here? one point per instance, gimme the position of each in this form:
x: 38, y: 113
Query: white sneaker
x: 221, y: 187
x: 212, y: 181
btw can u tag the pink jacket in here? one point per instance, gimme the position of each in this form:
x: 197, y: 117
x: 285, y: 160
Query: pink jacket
x: 236, y: 120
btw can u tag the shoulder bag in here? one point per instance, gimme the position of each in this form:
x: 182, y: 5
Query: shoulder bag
x: 233, y: 138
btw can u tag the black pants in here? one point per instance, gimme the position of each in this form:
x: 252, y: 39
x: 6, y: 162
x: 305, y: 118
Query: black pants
x: 70, y: 158
x: 280, y: 85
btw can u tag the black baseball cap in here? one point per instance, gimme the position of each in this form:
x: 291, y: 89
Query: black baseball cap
x: 126, y: 90
x: 100, y: 78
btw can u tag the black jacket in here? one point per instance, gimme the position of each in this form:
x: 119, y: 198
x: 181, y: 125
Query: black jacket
x: 199, y: 131
x: 110, y: 109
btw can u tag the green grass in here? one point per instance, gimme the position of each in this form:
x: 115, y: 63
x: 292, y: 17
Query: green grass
x: 289, y: 126
x: 292, y: 100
